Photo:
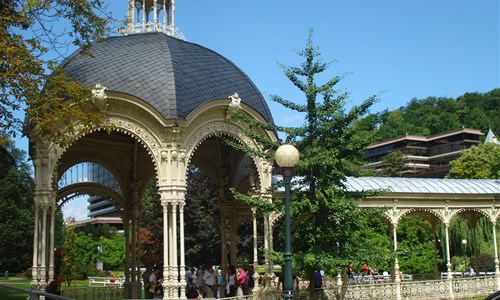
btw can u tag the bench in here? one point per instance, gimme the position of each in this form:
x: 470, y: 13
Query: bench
x: 106, y: 281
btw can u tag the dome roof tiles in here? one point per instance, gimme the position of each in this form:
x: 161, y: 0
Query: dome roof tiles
x: 172, y: 75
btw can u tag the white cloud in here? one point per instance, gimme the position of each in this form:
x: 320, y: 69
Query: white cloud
x: 76, y: 208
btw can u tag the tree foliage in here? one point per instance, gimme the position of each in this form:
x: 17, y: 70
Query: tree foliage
x: 70, y: 261
x: 479, y: 162
x: 416, y: 245
x: 31, y: 79
x: 202, y: 228
x: 435, y: 115
x: 16, y: 210
x: 203, y: 225
x: 327, y: 220
x: 79, y: 251
x: 328, y: 228
x: 393, y: 164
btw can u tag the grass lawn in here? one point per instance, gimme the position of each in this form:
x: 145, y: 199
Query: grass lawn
x: 26, y: 284
x: 11, y: 294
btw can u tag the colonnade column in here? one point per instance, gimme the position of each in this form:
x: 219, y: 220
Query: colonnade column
x: 43, y: 262
x: 171, y: 260
x: 397, y: 277
x: 448, y: 260
x: 497, y: 271
x: 166, y: 241
x: 172, y: 188
x: 52, y: 242
x: 182, y: 249
x: 255, y: 251
x: 34, y: 268
x: 174, y: 270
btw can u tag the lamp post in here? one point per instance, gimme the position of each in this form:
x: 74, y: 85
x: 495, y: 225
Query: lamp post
x: 287, y: 157
x: 464, y: 242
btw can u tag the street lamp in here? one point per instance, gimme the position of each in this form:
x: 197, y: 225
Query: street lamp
x: 287, y: 157
x: 464, y: 242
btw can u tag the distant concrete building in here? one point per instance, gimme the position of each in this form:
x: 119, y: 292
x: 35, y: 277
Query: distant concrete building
x: 424, y: 156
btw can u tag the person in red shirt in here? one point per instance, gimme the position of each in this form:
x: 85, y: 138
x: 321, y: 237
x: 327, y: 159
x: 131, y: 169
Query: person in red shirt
x: 241, y: 279
x: 366, y: 271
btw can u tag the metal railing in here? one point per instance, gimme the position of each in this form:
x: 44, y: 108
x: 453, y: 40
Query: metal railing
x: 460, y: 288
x: 34, y: 294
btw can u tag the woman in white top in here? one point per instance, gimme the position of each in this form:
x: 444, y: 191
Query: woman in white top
x: 231, y: 282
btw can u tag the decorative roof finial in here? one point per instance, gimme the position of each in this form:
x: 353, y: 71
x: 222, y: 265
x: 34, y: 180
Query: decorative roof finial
x: 152, y: 16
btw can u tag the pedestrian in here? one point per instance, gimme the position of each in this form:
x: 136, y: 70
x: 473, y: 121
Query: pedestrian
x: 220, y: 281
x: 241, y: 279
x: 209, y: 282
x: 250, y: 281
x: 231, y: 281
x: 53, y: 288
x: 153, y: 277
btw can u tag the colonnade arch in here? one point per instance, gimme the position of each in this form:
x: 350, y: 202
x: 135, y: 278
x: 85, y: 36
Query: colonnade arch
x: 137, y: 146
x: 444, y: 199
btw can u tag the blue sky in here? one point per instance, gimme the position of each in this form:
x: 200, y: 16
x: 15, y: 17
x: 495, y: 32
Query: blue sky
x: 396, y: 49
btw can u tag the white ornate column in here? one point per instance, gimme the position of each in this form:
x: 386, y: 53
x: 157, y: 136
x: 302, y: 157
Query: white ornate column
x: 397, y: 277
x: 255, y: 252
x: 43, y: 262
x: 166, y: 241
x: 52, y: 238
x: 497, y: 271
x: 394, y: 214
x: 254, y: 230
x: 34, y: 268
x: 172, y: 189
x: 446, y: 214
x: 182, y: 251
x: 43, y: 194
x: 174, y: 270
x: 171, y: 242
x: 493, y: 214
x: 448, y: 260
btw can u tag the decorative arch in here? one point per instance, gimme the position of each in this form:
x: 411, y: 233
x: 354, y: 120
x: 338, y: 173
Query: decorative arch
x: 91, y: 189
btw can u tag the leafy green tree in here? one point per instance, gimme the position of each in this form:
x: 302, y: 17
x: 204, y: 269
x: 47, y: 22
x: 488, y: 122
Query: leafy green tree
x: 86, y: 250
x: 327, y: 223
x: 416, y: 245
x: 393, y: 164
x: 434, y: 115
x: 202, y: 231
x: 392, y: 124
x: 479, y: 162
x: 29, y: 30
x: 16, y: 209
x: 113, y: 251
x: 151, y: 221
x: 70, y: 260
x: 482, y: 109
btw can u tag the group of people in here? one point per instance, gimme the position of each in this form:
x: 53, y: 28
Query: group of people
x: 365, y: 271
x: 238, y: 282
x: 153, y: 284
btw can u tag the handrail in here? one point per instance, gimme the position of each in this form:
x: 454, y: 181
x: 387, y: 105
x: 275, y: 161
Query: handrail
x: 33, y: 294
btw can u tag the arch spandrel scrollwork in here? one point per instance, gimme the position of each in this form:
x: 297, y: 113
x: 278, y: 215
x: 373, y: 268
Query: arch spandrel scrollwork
x: 447, y: 213
x: 50, y: 153
x: 212, y: 120
x: 220, y: 128
x: 395, y: 213
x: 143, y: 134
x: 492, y: 213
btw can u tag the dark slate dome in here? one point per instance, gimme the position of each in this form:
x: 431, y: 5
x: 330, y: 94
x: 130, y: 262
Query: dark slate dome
x: 172, y: 75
